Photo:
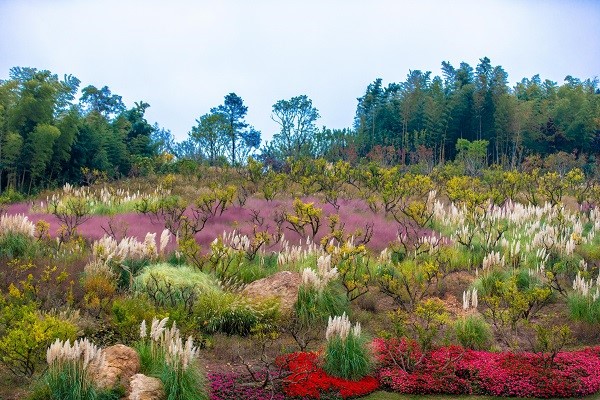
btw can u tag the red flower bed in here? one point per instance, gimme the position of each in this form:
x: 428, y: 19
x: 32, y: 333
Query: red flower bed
x: 308, y: 380
x: 454, y: 370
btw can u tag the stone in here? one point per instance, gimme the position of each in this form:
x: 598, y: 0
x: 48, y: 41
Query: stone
x: 121, y: 363
x: 142, y: 387
x: 282, y: 285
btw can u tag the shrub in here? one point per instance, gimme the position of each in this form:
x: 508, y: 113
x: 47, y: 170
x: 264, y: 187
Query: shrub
x: 171, y: 286
x: 232, y: 314
x: 472, y: 332
x: 99, y: 287
x: 346, y: 354
x: 25, y: 332
x: 17, y: 245
x: 128, y: 313
x: 453, y: 370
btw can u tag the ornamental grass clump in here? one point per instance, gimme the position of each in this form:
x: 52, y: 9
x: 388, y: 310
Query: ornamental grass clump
x: 584, y: 301
x: 17, y: 236
x: 69, y: 374
x: 16, y: 224
x: 346, y: 352
x: 318, y: 296
x: 163, y: 353
x: 473, y: 332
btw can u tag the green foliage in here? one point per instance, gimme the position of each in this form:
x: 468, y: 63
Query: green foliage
x: 209, y: 136
x: 232, y: 314
x: 473, y: 332
x: 168, y: 285
x: 184, y: 384
x: 549, y: 341
x: 296, y: 118
x: 10, y: 195
x: 238, y: 138
x: 425, y: 325
x: 305, y: 215
x: 408, y: 281
x: 347, y: 358
x: 26, y: 332
x: 584, y: 308
x: 152, y: 359
x: 66, y: 383
x: 511, y: 299
x: 16, y: 245
x: 127, y: 313
x: 472, y: 154
x: 314, y: 306
x: 352, y: 263
x: 164, y: 354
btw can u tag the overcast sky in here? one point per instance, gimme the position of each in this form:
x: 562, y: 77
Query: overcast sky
x: 183, y: 57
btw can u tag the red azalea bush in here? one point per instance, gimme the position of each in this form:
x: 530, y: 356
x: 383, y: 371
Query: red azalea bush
x: 453, y: 370
x: 405, y: 369
x: 308, y: 380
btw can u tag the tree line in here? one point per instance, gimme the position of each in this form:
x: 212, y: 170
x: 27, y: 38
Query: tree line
x: 426, y: 117
x: 48, y: 137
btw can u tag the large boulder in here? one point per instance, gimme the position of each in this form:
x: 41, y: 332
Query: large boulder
x: 282, y: 285
x: 121, y: 363
x: 142, y: 387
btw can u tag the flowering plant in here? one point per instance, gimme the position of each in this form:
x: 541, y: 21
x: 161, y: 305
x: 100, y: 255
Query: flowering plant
x: 308, y: 379
x: 454, y: 370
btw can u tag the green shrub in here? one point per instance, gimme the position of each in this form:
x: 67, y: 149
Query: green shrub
x: 128, y: 270
x: 16, y: 245
x: 232, y: 314
x: 473, y: 332
x: 251, y: 270
x: 171, y: 286
x: 10, y: 195
x: 25, y: 332
x: 128, y: 313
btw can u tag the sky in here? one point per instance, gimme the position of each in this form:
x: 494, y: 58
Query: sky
x: 183, y: 56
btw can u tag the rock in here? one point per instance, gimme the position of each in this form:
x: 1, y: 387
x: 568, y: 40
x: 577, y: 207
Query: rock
x: 282, y: 285
x: 121, y: 363
x: 142, y: 387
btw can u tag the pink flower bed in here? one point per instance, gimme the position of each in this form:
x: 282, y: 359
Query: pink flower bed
x: 453, y: 370
x: 354, y: 214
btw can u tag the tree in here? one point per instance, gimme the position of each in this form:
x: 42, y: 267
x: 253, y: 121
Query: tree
x: 472, y: 154
x: 367, y: 122
x: 139, y: 132
x: 162, y: 140
x: 12, y: 143
x: 38, y: 150
x: 296, y: 118
x: 209, y: 136
x: 239, y: 137
x: 101, y: 101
